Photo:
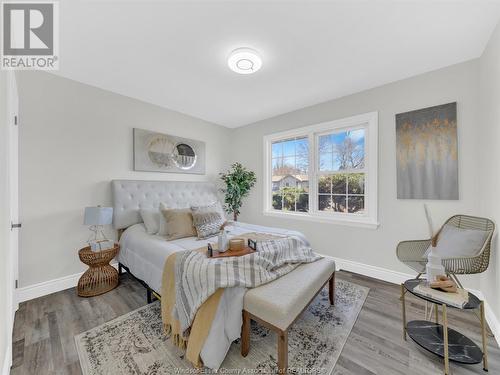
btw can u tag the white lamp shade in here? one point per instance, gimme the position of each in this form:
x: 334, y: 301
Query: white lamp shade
x: 98, y: 215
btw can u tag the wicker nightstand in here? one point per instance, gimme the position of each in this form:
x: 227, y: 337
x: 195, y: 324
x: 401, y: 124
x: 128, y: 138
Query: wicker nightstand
x: 101, y: 277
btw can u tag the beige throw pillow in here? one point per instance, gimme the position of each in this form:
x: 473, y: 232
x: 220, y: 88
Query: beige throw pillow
x: 179, y: 223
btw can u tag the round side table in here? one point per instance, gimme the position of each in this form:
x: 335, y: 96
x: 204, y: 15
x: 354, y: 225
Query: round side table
x: 101, y: 277
x: 441, y: 340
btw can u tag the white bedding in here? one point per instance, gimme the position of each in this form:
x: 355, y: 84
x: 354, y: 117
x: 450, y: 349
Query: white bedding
x: 145, y: 254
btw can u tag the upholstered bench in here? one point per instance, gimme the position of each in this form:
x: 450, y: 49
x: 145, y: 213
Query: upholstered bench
x: 278, y: 304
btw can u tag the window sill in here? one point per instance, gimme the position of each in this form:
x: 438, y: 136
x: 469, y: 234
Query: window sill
x: 361, y: 222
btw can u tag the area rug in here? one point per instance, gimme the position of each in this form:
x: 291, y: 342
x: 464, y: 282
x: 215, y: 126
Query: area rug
x: 135, y: 344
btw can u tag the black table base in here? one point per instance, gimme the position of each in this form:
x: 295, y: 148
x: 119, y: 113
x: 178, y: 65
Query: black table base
x: 429, y: 336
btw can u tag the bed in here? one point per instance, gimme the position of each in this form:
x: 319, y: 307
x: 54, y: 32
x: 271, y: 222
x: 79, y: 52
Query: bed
x: 143, y: 255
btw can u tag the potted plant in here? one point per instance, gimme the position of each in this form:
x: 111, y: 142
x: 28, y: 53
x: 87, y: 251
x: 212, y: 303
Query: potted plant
x: 238, y: 182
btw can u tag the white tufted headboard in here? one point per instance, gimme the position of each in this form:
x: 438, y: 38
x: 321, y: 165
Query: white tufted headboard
x: 130, y: 196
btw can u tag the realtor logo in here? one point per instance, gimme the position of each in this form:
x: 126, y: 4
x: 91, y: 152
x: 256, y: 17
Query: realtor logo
x: 30, y: 35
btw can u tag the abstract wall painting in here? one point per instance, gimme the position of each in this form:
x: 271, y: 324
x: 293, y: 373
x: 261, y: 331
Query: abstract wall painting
x: 427, y: 153
x: 157, y: 152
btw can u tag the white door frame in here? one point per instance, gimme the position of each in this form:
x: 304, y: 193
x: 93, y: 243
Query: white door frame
x: 13, y: 104
x: 12, y: 121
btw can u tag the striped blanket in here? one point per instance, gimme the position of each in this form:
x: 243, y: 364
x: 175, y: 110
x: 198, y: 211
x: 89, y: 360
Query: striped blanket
x: 198, y: 277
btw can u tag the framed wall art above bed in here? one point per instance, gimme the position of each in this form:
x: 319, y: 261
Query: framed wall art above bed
x: 158, y: 152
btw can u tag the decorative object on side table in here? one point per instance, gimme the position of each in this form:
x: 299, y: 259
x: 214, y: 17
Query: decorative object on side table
x: 96, y: 218
x: 438, y: 338
x: 101, y: 277
x: 434, y: 265
x: 457, y: 299
x: 238, y: 181
x: 445, y: 284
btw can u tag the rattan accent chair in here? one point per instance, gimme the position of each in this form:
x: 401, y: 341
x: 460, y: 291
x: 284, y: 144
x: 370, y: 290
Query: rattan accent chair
x: 411, y: 253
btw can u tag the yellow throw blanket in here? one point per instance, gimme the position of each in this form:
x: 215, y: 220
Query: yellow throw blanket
x: 205, y: 314
x: 202, y: 322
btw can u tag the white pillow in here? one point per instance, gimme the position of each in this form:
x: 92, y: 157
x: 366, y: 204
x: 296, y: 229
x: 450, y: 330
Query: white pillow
x: 456, y: 242
x: 151, y: 218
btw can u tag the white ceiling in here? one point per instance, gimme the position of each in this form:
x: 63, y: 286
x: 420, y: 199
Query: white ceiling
x: 173, y: 54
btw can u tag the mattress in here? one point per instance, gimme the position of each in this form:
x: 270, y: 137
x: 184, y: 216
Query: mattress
x: 145, y: 254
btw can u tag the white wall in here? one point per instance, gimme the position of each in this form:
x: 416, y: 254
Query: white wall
x: 74, y: 139
x: 489, y: 158
x: 4, y: 220
x: 399, y: 219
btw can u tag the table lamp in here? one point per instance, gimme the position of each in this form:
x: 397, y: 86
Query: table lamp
x: 96, y: 218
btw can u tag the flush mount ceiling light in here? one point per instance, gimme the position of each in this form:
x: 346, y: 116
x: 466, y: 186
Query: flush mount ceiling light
x: 244, y: 61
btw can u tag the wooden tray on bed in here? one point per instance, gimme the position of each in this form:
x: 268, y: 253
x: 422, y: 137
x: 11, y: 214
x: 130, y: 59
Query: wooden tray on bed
x: 232, y: 253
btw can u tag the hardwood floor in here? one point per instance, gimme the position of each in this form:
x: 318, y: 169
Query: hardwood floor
x: 45, y: 327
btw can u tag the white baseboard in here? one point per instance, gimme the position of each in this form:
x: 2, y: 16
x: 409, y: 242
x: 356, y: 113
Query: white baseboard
x: 48, y: 287
x: 399, y: 277
x: 379, y: 273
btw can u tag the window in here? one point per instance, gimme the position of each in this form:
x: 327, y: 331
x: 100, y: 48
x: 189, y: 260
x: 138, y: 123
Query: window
x: 290, y: 165
x: 341, y: 173
x: 325, y: 172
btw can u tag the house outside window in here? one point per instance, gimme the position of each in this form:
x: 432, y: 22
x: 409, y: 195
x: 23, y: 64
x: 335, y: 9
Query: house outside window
x: 324, y: 172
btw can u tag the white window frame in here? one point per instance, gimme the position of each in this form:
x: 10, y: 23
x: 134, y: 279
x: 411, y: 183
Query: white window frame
x: 369, y: 219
